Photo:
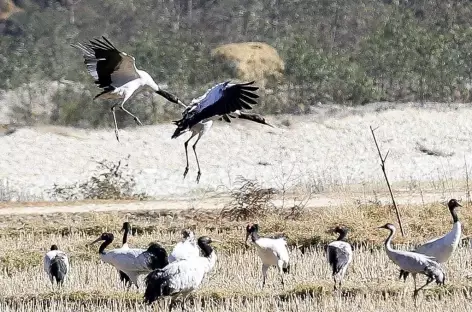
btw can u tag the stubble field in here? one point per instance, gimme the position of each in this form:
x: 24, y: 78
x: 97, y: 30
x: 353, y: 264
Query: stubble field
x: 235, y: 283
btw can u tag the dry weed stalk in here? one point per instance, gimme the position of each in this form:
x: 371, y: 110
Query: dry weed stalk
x: 382, y: 165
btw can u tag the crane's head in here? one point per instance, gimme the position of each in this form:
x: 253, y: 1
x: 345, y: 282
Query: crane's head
x: 453, y: 204
x: 251, y: 228
x: 126, y: 227
x: 104, y: 237
x: 341, y: 231
x: 54, y: 247
x: 188, y: 234
x: 388, y: 226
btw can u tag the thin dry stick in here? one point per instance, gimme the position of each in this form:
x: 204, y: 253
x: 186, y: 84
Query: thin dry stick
x: 382, y: 165
x: 467, y: 193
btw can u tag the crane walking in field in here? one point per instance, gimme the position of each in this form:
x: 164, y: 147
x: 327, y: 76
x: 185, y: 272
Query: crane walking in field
x: 56, y: 265
x: 339, y: 255
x: 116, y: 73
x: 132, y: 261
x: 221, y: 101
x: 413, y: 262
x: 186, y: 249
x: 182, y: 277
x: 272, y: 251
x: 442, y: 248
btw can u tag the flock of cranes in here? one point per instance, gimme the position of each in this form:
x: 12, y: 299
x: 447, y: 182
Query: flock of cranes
x: 183, y: 271
x: 116, y: 74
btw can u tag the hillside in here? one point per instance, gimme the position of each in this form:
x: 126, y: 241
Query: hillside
x: 344, y: 52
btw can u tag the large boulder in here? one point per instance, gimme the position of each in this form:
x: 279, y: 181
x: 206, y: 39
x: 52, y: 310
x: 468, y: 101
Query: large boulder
x: 251, y: 61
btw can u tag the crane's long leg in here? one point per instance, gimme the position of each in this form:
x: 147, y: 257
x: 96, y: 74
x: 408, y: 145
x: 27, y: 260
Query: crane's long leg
x: 129, y: 113
x: 280, y: 265
x: 264, y: 274
x: 186, y: 152
x: 199, y: 173
x: 114, y: 119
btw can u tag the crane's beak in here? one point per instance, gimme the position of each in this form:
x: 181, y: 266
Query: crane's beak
x: 97, y: 240
x: 215, y: 241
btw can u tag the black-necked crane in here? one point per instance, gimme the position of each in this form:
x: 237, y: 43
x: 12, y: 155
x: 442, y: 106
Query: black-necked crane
x: 224, y: 100
x: 442, y: 248
x: 185, y: 249
x: 132, y: 261
x: 272, y: 251
x: 115, y: 72
x: 413, y: 262
x: 125, y: 229
x: 339, y: 254
x: 56, y: 265
x: 180, y: 278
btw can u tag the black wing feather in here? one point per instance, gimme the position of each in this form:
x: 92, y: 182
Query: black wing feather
x: 101, y: 56
x: 234, y: 97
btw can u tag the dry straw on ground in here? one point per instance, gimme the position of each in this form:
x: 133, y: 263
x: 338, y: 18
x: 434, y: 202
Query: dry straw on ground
x: 234, y: 285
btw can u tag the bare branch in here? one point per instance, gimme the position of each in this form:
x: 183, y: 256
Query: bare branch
x: 382, y: 165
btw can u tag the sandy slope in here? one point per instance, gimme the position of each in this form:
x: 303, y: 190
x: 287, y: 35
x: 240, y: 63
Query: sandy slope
x: 331, y: 146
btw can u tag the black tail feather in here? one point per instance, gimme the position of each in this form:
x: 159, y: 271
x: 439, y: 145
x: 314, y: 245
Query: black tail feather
x: 124, y: 278
x: 286, y: 269
x: 58, y: 269
x: 156, y: 286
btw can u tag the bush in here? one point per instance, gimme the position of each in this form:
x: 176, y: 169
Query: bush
x: 110, y: 181
x: 249, y: 201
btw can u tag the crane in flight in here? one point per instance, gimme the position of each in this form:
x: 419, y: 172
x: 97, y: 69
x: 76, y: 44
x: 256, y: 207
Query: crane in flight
x: 115, y: 72
x: 222, y: 101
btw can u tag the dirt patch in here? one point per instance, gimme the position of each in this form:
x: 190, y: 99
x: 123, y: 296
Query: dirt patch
x: 251, y: 61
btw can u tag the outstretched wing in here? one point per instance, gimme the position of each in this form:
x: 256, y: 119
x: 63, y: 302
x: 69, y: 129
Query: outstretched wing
x: 222, y: 99
x: 108, y: 66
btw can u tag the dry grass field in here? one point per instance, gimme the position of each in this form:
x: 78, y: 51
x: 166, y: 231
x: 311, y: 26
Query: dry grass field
x: 235, y: 283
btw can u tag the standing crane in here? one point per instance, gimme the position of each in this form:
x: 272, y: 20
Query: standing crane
x: 186, y: 249
x: 224, y: 100
x: 272, y: 251
x: 180, y: 278
x: 339, y: 255
x: 413, y: 262
x: 125, y: 229
x: 56, y: 265
x: 116, y: 73
x: 132, y: 261
x: 442, y: 248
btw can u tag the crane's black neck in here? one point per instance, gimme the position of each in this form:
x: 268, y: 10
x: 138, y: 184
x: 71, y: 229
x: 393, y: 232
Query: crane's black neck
x: 453, y: 211
x: 342, y: 235
x: 104, y: 245
x: 125, y: 235
x: 255, y: 236
x: 206, y: 249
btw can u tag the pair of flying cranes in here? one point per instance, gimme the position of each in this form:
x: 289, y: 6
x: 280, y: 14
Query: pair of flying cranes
x: 116, y: 74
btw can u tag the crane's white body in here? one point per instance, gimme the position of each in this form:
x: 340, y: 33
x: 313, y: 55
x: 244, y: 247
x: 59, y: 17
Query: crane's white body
x: 131, y: 261
x: 342, y: 252
x: 48, y: 259
x: 442, y: 248
x: 185, y: 250
x: 186, y: 276
x: 273, y: 252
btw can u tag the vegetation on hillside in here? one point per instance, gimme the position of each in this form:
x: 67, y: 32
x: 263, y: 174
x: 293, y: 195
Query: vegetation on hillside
x: 349, y: 52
